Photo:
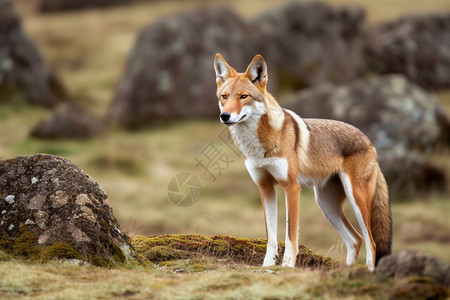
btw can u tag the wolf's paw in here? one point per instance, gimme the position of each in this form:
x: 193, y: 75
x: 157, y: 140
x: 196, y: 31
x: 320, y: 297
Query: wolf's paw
x: 270, y: 260
x: 288, y: 261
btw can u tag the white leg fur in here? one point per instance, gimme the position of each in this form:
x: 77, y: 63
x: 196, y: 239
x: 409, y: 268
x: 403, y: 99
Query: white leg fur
x: 349, y: 192
x: 270, y: 208
x: 329, y: 205
x: 290, y: 250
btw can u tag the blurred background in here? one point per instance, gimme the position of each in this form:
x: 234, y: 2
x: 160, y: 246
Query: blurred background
x: 125, y: 89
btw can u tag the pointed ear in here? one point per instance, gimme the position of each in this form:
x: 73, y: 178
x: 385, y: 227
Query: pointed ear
x: 223, y: 70
x: 257, y: 71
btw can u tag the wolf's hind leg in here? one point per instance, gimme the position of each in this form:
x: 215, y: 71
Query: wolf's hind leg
x: 329, y: 198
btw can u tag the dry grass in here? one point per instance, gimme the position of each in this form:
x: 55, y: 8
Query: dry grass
x: 56, y: 280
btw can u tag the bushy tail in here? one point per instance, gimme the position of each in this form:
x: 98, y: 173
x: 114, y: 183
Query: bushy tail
x: 381, y: 219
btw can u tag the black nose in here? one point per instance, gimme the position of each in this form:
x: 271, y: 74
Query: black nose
x: 225, y: 116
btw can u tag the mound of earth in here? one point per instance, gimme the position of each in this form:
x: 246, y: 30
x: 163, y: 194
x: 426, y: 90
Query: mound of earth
x: 159, y: 249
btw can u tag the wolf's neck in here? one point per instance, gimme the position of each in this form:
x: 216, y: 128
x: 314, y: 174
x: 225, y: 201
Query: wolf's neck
x: 246, y: 137
x: 246, y: 133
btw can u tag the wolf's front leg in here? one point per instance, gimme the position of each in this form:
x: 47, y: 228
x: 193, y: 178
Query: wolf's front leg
x: 269, y: 202
x: 292, y: 195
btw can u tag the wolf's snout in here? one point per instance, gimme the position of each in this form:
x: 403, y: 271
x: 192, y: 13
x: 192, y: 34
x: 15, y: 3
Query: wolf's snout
x: 225, y: 116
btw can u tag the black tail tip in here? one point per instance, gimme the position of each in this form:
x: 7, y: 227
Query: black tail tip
x: 381, y: 254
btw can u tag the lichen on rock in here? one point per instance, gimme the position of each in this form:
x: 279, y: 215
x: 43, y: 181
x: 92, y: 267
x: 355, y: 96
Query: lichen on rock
x: 64, y: 214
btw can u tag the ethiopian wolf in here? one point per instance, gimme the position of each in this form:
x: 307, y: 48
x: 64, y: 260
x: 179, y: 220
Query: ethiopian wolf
x: 336, y: 158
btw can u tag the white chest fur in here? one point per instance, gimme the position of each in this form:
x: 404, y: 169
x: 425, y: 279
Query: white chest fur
x: 257, y: 165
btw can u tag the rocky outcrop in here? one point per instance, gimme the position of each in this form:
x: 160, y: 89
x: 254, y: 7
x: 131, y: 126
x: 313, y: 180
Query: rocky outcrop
x: 308, y: 43
x: 409, y: 263
x: 169, y: 73
x: 404, y: 122
x: 50, y: 208
x: 22, y: 68
x: 70, y: 121
x: 417, y: 46
x: 48, y: 6
x: 409, y: 171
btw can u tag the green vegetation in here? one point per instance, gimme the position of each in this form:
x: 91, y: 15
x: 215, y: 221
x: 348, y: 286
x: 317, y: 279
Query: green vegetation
x: 161, y: 249
x: 60, y: 251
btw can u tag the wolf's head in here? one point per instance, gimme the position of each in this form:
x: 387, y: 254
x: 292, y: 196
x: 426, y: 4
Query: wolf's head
x: 241, y: 95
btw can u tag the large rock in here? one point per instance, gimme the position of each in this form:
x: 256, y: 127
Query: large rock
x: 22, y: 68
x: 410, y: 171
x: 47, y: 6
x: 51, y: 208
x: 70, y: 121
x: 417, y: 46
x: 407, y: 263
x: 404, y: 122
x: 169, y: 73
x: 307, y: 43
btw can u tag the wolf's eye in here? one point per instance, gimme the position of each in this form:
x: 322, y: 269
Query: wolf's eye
x: 224, y: 97
x: 244, y: 96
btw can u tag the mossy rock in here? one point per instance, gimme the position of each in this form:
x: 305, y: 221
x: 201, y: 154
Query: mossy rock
x: 164, y: 248
x: 51, y: 209
x: 60, y: 251
x: 356, y: 282
x: 419, y: 287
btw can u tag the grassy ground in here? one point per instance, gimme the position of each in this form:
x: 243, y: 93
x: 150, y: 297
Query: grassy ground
x: 57, y: 280
x: 89, y: 50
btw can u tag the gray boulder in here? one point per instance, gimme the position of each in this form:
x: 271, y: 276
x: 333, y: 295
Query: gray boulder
x: 169, y: 73
x: 409, y: 262
x: 307, y: 43
x: 22, y: 68
x: 48, y: 6
x: 70, y: 121
x: 403, y: 121
x: 50, y: 208
x: 416, y: 46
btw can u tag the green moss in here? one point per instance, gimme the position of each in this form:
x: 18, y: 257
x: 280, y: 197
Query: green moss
x: 197, y: 268
x: 168, y: 263
x: 21, y: 243
x: 165, y: 248
x: 24, y: 242
x: 5, y: 243
x: 117, y: 253
x: 159, y: 254
x: 220, y: 246
x: 60, y: 251
x: 99, y: 261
